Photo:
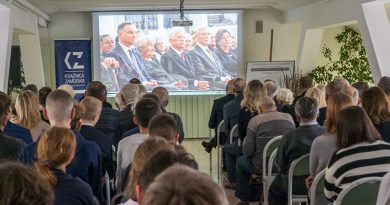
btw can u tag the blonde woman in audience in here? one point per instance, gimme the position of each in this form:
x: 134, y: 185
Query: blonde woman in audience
x: 285, y: 98
x: 56, y: 149
x: 28, y: 116
x: 68, y: 88
x: 144, y: 152
x: 324, y: 146
x: 321, y: 87
x: 317, y: 94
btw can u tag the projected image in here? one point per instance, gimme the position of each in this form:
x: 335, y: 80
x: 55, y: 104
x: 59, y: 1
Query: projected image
x: 199, y: 58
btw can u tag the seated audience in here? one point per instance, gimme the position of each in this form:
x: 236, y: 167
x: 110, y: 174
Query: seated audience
x: 10, y: 147
x: 56, y: 149
x: 92, y: 108
x: 31, y: 87
x: 169, y: 189
x: 285, y: 98
x: 293, y: 145
x: 163, y: 96
x: 272, y: 91
x: 78, y: 113
x: 376, y: 106
x: 87, y: 160
x: 269, y: 123
x: 319, y: 95
x: 384, y: 84
x: 28, y: 116
x: 143, y: 153
x: 16, y: 131
x: 361, y: 152
x: 304, y: 84
x: 252, y: 94
x: 43, y: 92
x: 353, y: 92
x: 68, y: 88
x: 163, y: 125
x: 145, y: 109
x: 361, y: 87
x: 20, y: 184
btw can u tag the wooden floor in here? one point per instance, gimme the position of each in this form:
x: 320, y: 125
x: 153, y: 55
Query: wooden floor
x: 194, y: 147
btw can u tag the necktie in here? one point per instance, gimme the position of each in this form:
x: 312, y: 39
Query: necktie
x: 182, y: 56
x: 136, y: 66
x: 210, y: 55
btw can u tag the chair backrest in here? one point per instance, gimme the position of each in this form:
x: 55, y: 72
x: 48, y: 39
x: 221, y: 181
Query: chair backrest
x: 299, y: 167
x: 362, y: 191
x: 271, y: 161
x: 270, y: 147
x: 317, y: 195
x: 233, y: 133
x: 220, y: 128
x: 117, y: 199
x: 96, y: 200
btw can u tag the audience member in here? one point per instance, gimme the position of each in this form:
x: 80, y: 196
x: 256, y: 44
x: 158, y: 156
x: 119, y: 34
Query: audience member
x: 361, y: 87
x: 78, y: 113
x: 163, y: 125
x: 253, y: 93
x: 353, y: 92
x: 376, y: 106
x: 272, y: 90
x: 324, y: 146
x: 170, y: 189
x: 231, y: 109
x: 31, y: 87
x: 68, y: 88
x: 43, y: 92
x: 108, y: 120
x: 28, y: 116
x: 361, y: 152
x: 10, y: 148
x: 285, y: 98
x: 92, y: 108
x: 135, y: 81
x: 384, y: 84
x: 56, y: 149
x: 163, y: 96
x: 87, y: 160
x: 293, y: 145
x: 21, y: 185
x: 216, y: 116
x: 319, y: 95
x: 261, y: 128
x: 304, y: 84
x: 145, y: 109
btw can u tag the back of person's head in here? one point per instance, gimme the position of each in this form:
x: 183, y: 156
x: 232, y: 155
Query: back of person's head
x: 163, y: 125
x: 163, y: 95
x: 239, y: 85
x: 253, y: 93
x: 334, y: 87
x: 92, y: 108
x: 150, y: 96
x: 21, y: 185
x: 135, y: 81
x: 375, y: 103
x: 5, y: 105
x: 321, y: 87
x: 79, y: 111
x: 306, y: 109
x: 43, y: 92
x: 305, y: 82
x: 353, y: 92
x: 361, y: 87
x: 285, y: 96
x: 342, y: 81
x: 130, y: 92
x: 142, y: 155
x: 68, y: 88
x: 31, y: 87
x: 317, y: 94
x: 56, y: 147
x: 230, y: 87
x: 336, y: 103
x: 272, y: 88
x: 27, y: 109
x: 384, y: 84
x: 144, y: 110
x: 96, y: 89
x: 354, y: 126
x: 59, y: 106
x: 266, y: 104
x: 171, y: 188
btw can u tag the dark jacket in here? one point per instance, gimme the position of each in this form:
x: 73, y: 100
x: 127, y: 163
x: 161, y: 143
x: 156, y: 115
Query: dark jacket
x: 19, y: 132
x: 216, y: 115
x: 126, y: 121
x: 228, y: 61
x: 244, y: 116
x: 230, y: 113
x: 108, y: 122
x: 10, y: 148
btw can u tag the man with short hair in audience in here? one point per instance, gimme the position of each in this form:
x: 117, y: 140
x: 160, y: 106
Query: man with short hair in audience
x: 169, y: 189
x: 31, y: 87
x: 144, y: 110
x: 108, y: 119
x: 86, y: 163
x: 304, y: 84
x: 293, y: 145
x: 92, y: 108
x: 164, y: 125
x: 384, y: 84
x: 231, y: 109
x: 216, y: 116
x: 361, y: 87
x: 261, y: 128
x: 163, y: 95
x: 10, y: 148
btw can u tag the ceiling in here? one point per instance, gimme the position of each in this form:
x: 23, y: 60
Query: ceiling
x: 53, y: 6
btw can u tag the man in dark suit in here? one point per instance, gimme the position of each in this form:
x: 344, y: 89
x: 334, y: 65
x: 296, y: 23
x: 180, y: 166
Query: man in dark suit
x: 124, y: 54
x: 216, y: 115
x: 108, y: 120
x: 176, y: 61
x: 206, y: 63
x: 231, y: 109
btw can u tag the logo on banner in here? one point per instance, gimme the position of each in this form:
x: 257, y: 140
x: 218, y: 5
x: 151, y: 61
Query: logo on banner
x: 76, y: 64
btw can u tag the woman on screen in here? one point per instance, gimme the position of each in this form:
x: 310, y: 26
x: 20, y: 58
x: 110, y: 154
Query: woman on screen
x: 148, y: 63
x: 227, y: 57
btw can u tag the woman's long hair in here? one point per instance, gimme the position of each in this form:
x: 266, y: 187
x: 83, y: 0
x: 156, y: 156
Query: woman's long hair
x: 252, y: 95
x: 27, y: 110
x: 375, y: 103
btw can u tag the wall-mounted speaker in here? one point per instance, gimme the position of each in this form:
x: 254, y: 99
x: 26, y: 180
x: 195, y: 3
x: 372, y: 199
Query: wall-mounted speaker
x: 259, y: 27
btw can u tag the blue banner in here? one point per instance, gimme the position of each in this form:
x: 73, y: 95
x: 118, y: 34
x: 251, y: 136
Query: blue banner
x: 73, y: 63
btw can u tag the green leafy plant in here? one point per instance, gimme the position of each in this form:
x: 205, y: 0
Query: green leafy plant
x: 352, y: 64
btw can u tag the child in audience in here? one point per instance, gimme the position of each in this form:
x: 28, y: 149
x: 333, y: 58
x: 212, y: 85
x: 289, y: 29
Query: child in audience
x: 56, y: 149
x: 20, y: 184
x: 172, y: 187
x: 163, y: 125
x: 361, y: 152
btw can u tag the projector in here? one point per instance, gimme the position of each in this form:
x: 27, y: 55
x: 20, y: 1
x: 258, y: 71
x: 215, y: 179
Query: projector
x: 180, y: 22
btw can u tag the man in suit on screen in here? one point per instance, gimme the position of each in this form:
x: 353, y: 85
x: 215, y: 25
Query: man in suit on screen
x: 206, y: 62
x: 177, y: 62
x: 124, y: 54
